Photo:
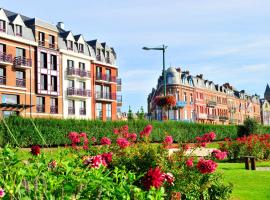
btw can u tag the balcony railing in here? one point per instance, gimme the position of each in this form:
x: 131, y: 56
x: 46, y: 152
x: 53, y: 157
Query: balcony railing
x: 82, y: 111
x: 212, y: 117
x: 2, y: 80
x: 71, y: 110
x: 106, y: 95
x: 19, y: 34
x: 52, y: 46
x: 22, y: 62
x: 53, y: 109
x: 211, y: 103
x: 119, y: 98
x: 41, y: 43
x: 104, y: 77
x: 223, y: 118
x: 40, y: 108
x: 5, y: 57
x: 181, y: 104
x: 78, y: 72
x: 108, y: 60
x: 78, y: 92
x: 202, y: 116
x: 20, y: 82
x: 98, y: 58
x: 2, y: 29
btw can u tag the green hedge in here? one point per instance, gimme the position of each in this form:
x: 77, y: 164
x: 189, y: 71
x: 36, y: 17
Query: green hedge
x: 55, y: 131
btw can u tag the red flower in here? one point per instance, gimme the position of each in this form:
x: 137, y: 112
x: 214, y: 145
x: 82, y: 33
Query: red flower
x: 74, y: 137
x: 146, y: 131
x: 206, y: 166
x: 35, y: 150
x: 219, y: 155
x: 185, y: 146
x: 107, y: 157
x: 132, y: 137
x: 83, y: 135
x: 168, y: 140
x: 122, y: 142
x: 105, y: 141
x: 52, y: 164
x: 189, y: 162
x: 116, y: 131
x: 207, y: 137
x: 153, y: 178
x: 93, y: 139
x: 169, y: 178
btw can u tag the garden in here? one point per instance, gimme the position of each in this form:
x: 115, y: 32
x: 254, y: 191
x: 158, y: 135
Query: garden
x: 122, y: 163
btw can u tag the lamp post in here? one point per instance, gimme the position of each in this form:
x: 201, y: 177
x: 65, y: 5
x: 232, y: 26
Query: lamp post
x: 162, y: 48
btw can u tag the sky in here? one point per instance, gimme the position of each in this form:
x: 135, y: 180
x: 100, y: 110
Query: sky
x: 227, y: 41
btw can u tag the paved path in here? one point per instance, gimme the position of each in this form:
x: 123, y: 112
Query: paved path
x: 201, y: 152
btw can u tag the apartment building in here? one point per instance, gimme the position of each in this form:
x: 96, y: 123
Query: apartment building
x: 48, y: 88
x: 47, y: 71
x: 17, y: 59
x: 77, y: 57
x: 105, y: 81
x: 200, y: 100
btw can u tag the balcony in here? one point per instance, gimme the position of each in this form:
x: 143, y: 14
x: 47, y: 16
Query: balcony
x: 104, y: 77
x: 20, y: 82
x: 105, y: 96
x: 212, y: 117
x: 72, y: 72
x: 52, y: 46
x: 2, y: 80
x: 40, y: 108
x: 202, y: 116
x: 78, y: 93
x: 5, y: 58
x: 181, y: 104
x: 98, y: 58
x: 211, y: 103
x: 119, y: 84
x: 82, y: 111
x: 223, y: 118
x: 71, y: 111
x: 21, y: 62
x: 119, y: 100
x: 2, y: 29
x: 41, y: 43
x: 53, y: 109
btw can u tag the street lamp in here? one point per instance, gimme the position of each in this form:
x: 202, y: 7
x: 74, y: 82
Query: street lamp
x: 162, y: 48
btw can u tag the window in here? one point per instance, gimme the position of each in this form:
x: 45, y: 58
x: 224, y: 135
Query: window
x: 185, y: 96
x: 18, y: 30
x: 82, y: 85
x: 82, y: 108
x: 71, y: 107
x: 41, y: 38
x: 107, y: 54
x: 98, y: 110
x: 10, y: 99
x: 71, y: 83
x: 98, y: 73
x: 108, y: 111
x: 20, y: 52
x: 54, y: 83
x: 20, y: 79
x: 3, y: 48
x: 44, y: 82
x: 98, y: 91
x: 108, y: 75
x: 70, y: 45
x: 54, y: 105
x: 169, y: 79
x: 70, y: 63
x: 2, y: 76
x: 81, y: 66
x: 98, y: 52
x: 40, y: 104
x: 43, y: 60
x: 106, y: 92
x: 53, y: 62
x: 81, y: 48
x: 191, y: 98
x: 2, y: 26
x: 51, y: 41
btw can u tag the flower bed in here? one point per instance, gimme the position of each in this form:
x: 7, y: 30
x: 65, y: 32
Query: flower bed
x: 122, y: 167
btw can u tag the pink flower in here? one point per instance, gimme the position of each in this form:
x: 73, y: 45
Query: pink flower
x: 93, y: 139
x: 206, y: 166
x: 74, y: 137
x: 2, y: 192
x: 107, y: 157
x: 83, y: 135
x: 85, y: 147
x: 146, y: 131
x: 189, y: 162
x: 35, y: 150
x: 116, y: 131
x: 52, y: 164
x: 105, y: 141
x: 185, y: 147
x: 219, y: 155
x: 168, y: 140
x: 203, y: 144
x: 98, y: 160
x: 153, y: 178
x: 122, y: 142
x: 207, y: 137
x: 132, y: 137
x: 169, y: 178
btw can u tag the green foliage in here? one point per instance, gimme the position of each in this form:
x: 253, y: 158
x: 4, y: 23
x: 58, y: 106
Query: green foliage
x: 55, y: 131
x: 130, y: 113
x: 250, y: 126
x: 140, y: 113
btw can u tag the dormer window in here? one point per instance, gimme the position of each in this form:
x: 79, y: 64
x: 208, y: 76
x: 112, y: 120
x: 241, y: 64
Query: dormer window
x: 2, y: 26
x: 41, y: 38
x: 51, y: 41
x: 18, y: 30
x: 98, y: 55
x: 81, y: 48
x: 70, y: 45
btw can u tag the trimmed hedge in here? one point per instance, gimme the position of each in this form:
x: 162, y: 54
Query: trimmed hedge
x: 55, y: 131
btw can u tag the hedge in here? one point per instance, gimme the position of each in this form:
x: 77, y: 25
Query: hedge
x: 55, y: 131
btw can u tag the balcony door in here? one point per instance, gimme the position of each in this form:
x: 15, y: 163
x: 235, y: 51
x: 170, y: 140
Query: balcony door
x: 106, y: 92
x: 98, y: 91
x: 20, y: 52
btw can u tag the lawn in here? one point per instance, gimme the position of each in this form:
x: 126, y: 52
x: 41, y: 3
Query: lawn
x: 248, y: 185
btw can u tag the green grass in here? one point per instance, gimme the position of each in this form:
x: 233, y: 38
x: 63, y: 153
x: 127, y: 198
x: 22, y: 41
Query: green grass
x: 248, y: 185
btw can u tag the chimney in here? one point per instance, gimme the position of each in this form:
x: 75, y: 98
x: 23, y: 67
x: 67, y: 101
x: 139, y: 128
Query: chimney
x: 61, y: 25
x: 178, y: 69
x: 200, y: 76
x: 187, y: 72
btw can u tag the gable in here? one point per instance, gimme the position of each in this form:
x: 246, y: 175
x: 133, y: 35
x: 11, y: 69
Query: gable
x: 81, y: 40
x: 3, y: 15
x: 70, y: 37
x: 18, y: 21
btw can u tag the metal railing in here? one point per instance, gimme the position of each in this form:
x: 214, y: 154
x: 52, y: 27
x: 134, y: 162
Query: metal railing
x: 78, y: 92
x: 5, y: 57
x: 104, y: 77
x: 40, y: 108
x: 53, y: 109
x: 106, y: 95
x: 41, y: 43
x: 82, y: 111
x: 20, y: 82
x: 22, y: 61
x: 2, y: 80
x: 78, y: 72
x: 71, y: 110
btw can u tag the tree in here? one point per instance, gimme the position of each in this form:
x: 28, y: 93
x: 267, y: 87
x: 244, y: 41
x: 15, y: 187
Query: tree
x: 140, y: 113
x: 130, y: 113
x: 250, y: 126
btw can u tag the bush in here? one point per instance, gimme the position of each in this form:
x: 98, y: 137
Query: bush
x: 250, y: 126
x: 55, y: 131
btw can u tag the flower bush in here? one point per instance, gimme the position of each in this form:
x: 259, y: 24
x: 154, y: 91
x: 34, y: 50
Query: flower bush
x: 165, y: 101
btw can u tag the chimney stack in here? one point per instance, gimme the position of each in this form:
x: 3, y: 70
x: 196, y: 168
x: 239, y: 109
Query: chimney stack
x: 61, y: 25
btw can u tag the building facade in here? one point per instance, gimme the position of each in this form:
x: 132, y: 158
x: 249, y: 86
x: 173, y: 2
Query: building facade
x: 265, y: 107
x: 200, y: 100
x: 46, y: 71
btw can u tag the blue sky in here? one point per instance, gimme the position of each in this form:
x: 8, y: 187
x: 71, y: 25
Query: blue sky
x: 227, y: 41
